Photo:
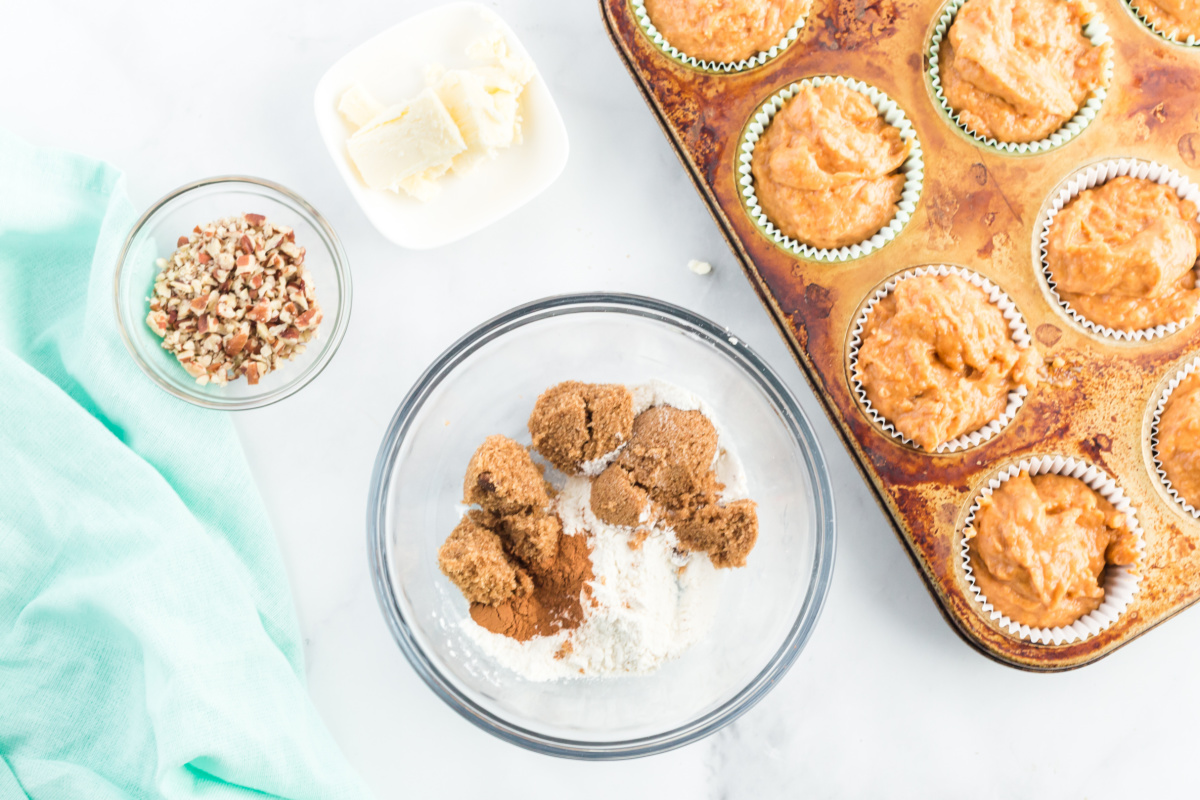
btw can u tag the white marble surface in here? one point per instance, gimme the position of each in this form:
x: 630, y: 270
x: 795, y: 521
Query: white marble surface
x: 885, y: 701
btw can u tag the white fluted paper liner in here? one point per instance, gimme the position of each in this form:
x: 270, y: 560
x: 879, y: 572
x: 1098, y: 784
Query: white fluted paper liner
x: 1017, y: 329
x: 1096, y: 32
x: 660, y: 41
x: 1191, y: 40
x: 1121, y: 584
x: 1191, y: 366
x: 1089, y: 178
x: 913, y: 169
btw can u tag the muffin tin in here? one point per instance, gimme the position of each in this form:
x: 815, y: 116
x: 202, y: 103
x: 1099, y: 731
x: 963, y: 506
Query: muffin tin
x: 979, y: 209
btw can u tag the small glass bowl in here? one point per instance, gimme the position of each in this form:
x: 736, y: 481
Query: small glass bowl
x: 487, y: 383
x: 155, y: 236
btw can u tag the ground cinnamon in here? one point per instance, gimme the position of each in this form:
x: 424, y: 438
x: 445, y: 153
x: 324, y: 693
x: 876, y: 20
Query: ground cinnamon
x: 523, y: 575
x: 555, y: 603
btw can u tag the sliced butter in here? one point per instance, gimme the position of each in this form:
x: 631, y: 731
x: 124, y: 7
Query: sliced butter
x: 485, y: 101
x: 359, y: 106
x: 465, y: 116
x: 406, y: 145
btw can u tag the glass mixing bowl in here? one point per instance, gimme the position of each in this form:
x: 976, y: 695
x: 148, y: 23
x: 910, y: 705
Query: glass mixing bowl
x: 155, y: 236
x: 487, y: 383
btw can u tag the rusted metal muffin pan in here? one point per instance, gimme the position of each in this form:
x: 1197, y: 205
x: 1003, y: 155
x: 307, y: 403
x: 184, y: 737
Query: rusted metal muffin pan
x: 979, y: 209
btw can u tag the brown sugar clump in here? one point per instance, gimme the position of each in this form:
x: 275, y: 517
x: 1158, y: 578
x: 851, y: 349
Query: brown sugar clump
x: 726, y: 533
x: 473, y: 558
x: 556, y: 602
x: 666, y: 471
x: 575, y: 422
x: 503, y: 479
x: 532, y: 537
x: 617, y: 500
x: 523, y: 576
x: 670, y: 452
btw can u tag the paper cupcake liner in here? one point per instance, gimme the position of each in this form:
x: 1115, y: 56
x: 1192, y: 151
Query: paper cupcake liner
x: 913, y: 168
x: 1016, y: 326
x: 1121, y: 584
x: 1191, y: 40
x: 1094, y: 29
x: 1191, y: 366
x: 718, y: 67
x: 1088, y: 178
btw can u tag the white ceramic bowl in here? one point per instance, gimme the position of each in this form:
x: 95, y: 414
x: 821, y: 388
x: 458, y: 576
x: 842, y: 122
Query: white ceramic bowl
x: 390, y: 67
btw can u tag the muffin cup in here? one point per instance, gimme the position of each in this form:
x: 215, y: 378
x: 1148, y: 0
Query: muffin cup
x: 1191, y: 40
x: 1017, y: 329
x: 913, y: 169
x: 716, y: 67
x: 1191, y: 366
x: 1088, y: 178
x: 1121, y: 583
x: 1094, y: 29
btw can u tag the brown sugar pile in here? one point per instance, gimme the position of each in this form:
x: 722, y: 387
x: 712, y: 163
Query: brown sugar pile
x: 726, y: 533
x: 575, y: 422
x: 510, y: 556
x: 503, y: 479
x: 523, y: 576
x: 665, y: 472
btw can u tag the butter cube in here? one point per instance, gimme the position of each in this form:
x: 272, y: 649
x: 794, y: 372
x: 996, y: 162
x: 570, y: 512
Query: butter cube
x: 485, y: 101
x: 487, y: 122
x: 414, y: 140
x: 359, y: 106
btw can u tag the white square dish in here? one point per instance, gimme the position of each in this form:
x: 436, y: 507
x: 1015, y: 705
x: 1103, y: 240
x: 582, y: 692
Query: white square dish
x: 390, y: 66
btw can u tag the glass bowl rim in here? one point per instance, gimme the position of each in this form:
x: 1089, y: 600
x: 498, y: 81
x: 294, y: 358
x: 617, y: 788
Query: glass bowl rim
x: 756, y: 370
x: 337, y: 331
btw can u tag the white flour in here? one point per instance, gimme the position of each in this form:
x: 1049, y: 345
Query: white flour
x: 653, y: 602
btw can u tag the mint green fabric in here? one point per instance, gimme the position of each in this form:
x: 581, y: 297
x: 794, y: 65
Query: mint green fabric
x: 148, y: 644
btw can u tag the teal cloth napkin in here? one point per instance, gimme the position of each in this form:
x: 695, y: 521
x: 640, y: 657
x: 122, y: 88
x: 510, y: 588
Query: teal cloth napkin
x: 148, y: 643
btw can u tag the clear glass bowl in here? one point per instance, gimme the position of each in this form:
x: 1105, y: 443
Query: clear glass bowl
x: 155, y: 236
x: 487, y: 383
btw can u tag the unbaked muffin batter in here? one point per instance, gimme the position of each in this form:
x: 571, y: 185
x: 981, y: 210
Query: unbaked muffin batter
x: 1178, y: 17
x: 827, y: 169
x: 937, y: 359
x: 1179, y: 439
x: 1039, y: 547
x: 724, y: 30
x: 1124, y: 254
x: 1017, y: 70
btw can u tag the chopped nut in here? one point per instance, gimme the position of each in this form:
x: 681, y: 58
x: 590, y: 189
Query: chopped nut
x: 234, y: 299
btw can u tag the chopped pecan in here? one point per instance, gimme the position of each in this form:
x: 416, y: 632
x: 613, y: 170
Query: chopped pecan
x: 234, y: 299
